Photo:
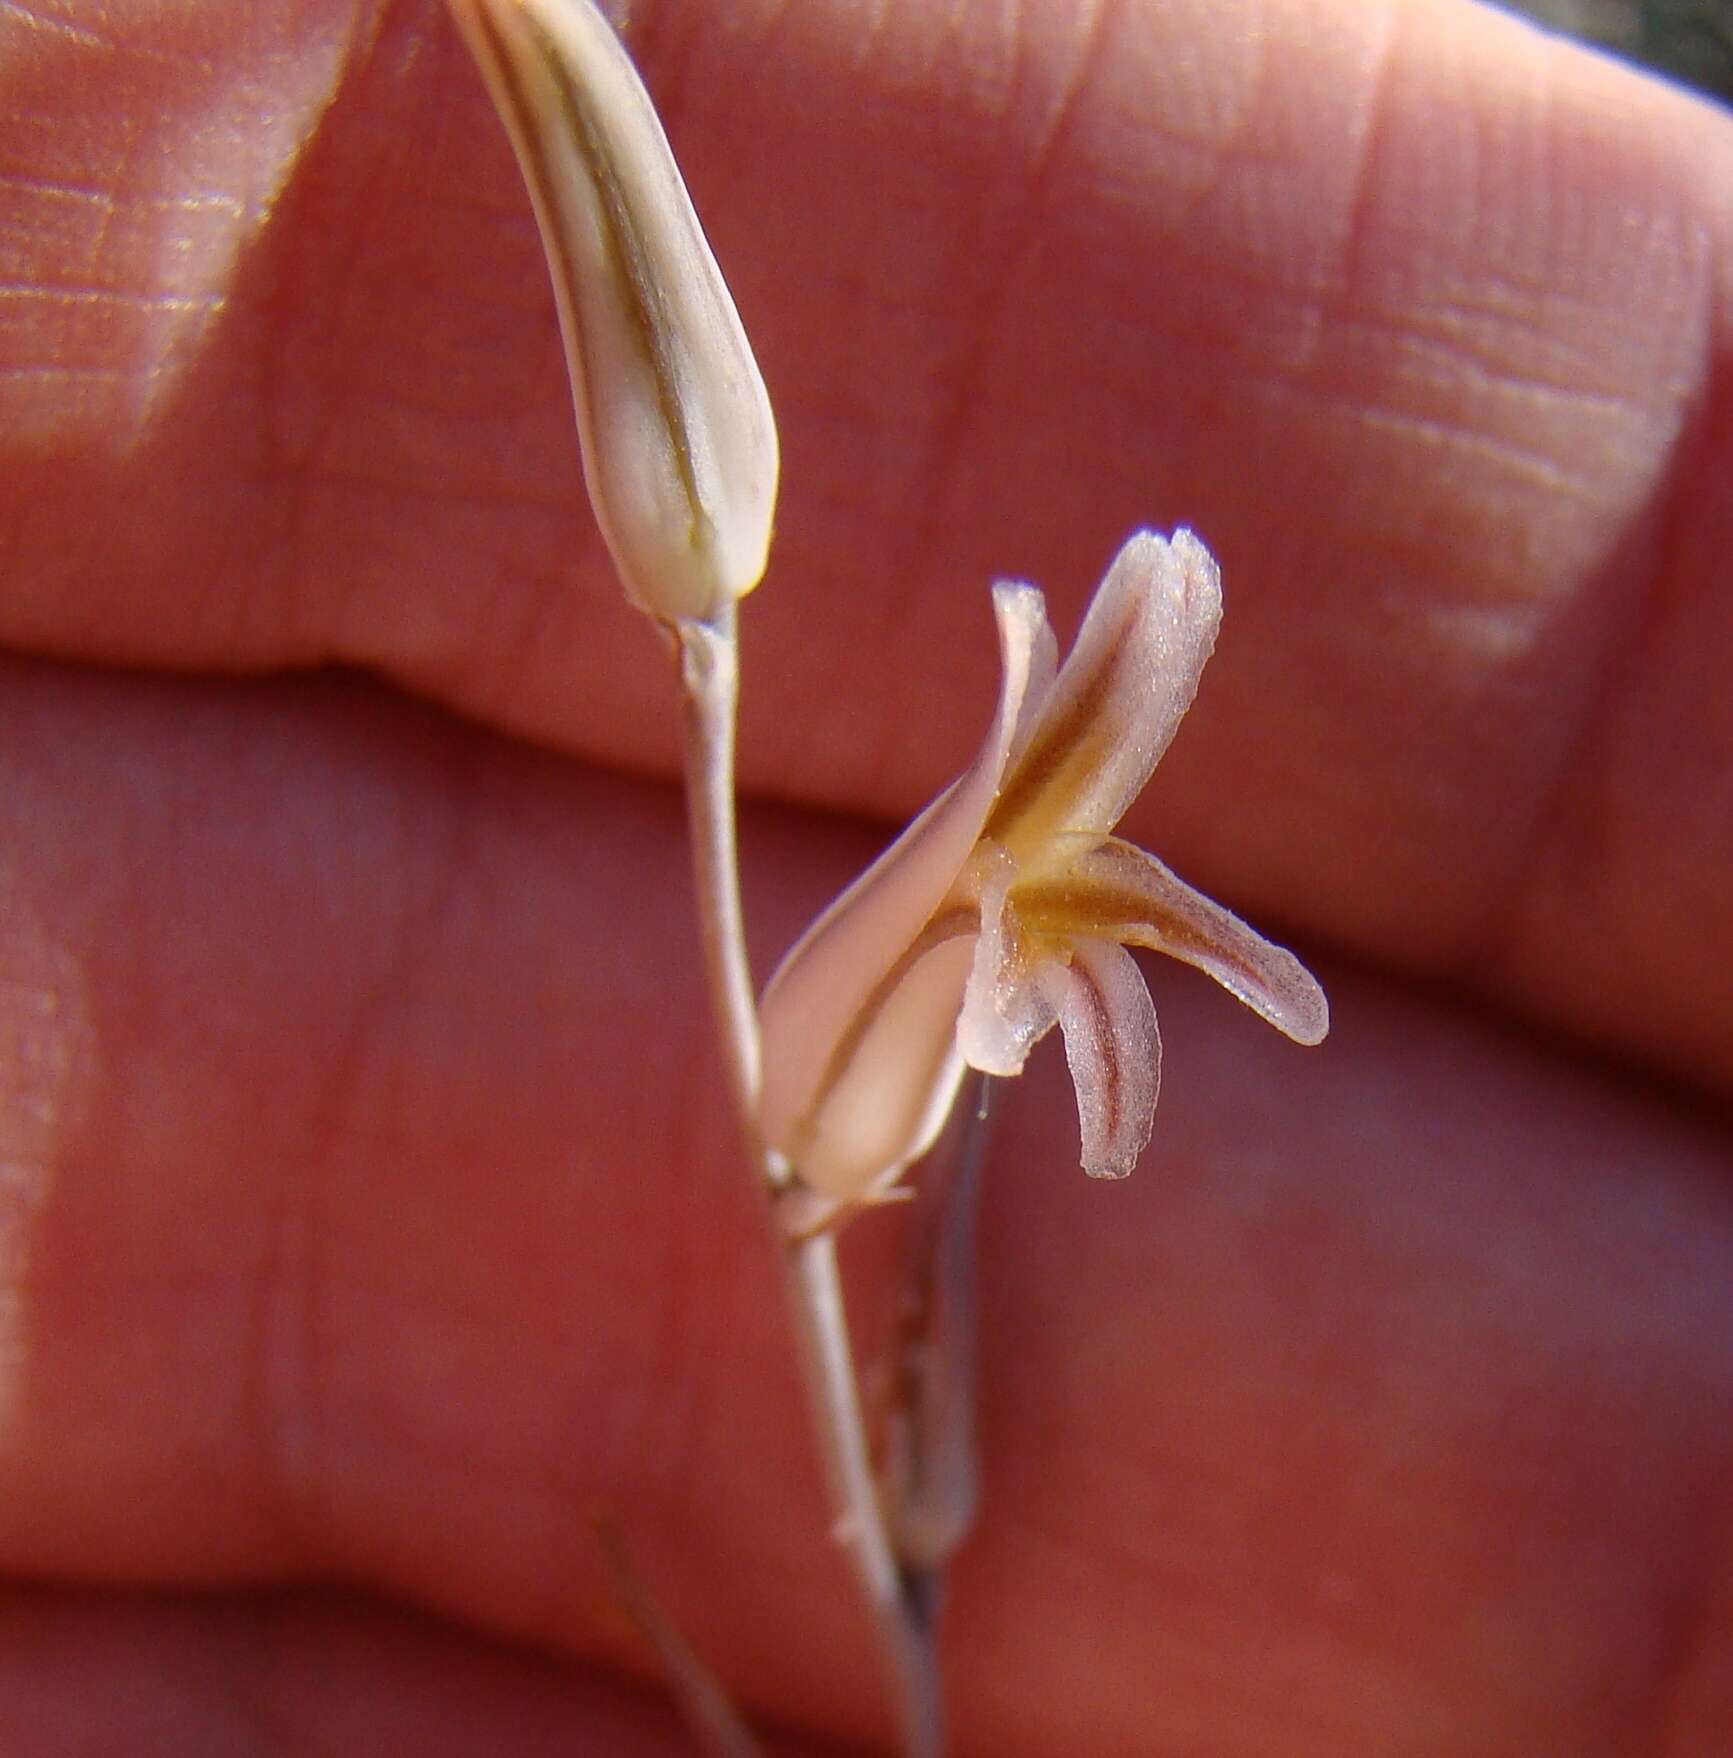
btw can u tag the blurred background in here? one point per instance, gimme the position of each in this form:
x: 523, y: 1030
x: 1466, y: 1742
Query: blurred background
x: 1689, y: 40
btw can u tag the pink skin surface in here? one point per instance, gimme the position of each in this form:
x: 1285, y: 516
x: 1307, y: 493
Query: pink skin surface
x: 367, y: 1214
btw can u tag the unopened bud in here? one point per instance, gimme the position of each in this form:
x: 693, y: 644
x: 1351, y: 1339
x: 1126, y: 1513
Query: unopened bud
x: 678, y: 439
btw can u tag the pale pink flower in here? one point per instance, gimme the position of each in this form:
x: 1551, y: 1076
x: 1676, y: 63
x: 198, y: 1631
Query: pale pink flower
x: 1006, y: 907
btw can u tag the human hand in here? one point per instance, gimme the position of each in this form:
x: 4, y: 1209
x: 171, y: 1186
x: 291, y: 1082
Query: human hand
x: 368, y: 1214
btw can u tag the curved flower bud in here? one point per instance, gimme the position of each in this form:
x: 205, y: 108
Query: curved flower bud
x: 679, y: 444
x: 1006, y: 908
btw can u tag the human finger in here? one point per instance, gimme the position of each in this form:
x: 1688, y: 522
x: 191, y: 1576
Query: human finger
x: 275, y: 1675
x: 372, y: 1215
x: 1419, y: 317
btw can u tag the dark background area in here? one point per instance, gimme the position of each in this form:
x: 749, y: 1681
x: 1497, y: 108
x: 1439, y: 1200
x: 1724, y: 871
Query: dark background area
x: 1689, y: 40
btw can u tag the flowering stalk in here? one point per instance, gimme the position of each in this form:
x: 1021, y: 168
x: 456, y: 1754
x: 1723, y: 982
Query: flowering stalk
x: 812, y: 1277
x: 710, y: 687
x: 680, y: 457
x: 899, y: 1615
x: 1002, y: 911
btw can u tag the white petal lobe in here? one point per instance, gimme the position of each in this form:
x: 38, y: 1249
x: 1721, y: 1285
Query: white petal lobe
x: 1004, y: 1010
x: 1126, y: 894
x: 1113, y: 1048
x: 1119, y: 697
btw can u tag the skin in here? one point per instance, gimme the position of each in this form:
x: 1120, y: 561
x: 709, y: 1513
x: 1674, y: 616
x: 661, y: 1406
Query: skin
x: 368, y: 1216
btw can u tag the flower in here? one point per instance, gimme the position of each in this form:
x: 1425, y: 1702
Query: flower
x: 1006, y: 907
x: 678, y: 439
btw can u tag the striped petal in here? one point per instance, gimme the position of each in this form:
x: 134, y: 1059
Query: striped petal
x: 1119, y: 698
x: 1112, y: 889
x: 1114, y: 1050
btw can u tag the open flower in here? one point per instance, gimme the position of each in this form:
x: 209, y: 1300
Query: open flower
x: 1006, y: 907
